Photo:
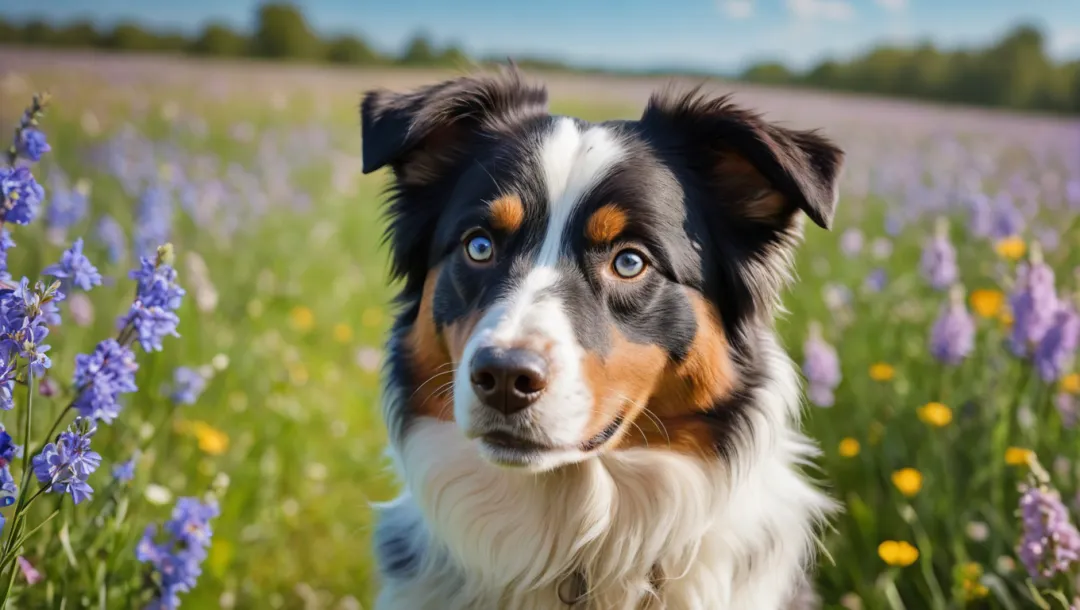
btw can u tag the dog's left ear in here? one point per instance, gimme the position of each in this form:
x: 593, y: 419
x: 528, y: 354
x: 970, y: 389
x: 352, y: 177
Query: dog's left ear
x: 762, y: 172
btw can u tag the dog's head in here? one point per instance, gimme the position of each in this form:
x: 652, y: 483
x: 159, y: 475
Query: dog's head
x: 571, y: 288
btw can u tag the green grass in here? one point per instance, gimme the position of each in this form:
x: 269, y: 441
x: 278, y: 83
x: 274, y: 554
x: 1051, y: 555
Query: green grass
x: 302, y: 293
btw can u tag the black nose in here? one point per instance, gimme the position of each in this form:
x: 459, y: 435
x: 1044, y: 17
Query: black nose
x: 508, y: 380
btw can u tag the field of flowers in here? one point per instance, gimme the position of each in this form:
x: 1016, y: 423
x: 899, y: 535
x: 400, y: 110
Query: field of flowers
x: 937, y: 327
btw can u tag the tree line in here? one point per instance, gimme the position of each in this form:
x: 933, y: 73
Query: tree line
x: 1015, y: 72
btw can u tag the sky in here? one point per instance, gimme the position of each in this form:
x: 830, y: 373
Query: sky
x: 713, y: 35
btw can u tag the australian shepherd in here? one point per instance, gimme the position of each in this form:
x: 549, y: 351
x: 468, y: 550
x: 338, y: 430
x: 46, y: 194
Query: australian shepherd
x: 585, y: 398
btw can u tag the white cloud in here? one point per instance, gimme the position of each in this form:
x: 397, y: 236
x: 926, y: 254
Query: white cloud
x: 895, y: 6
x: 825, y: 10
x: 737, y: 9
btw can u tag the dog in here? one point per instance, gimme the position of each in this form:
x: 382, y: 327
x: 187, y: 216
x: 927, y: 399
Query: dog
x: 585, y: 399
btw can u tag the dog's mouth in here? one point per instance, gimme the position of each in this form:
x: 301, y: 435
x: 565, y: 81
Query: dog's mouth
x: 508, y: 449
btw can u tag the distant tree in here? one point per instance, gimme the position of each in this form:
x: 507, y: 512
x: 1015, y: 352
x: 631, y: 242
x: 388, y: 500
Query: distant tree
x: 9, y: 32
x: 80, y: 34
x: 770, y: 73
x: 281, y: 32
x: 452, y: 56
x: 219, y: 40
x: 128, y: 36
x: 350, y: 50
x: 419, y: 52
x: 38, y: 33
x: 1016, y: 68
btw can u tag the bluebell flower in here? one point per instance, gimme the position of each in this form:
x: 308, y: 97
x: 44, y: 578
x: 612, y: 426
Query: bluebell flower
x: 124, y: 471
x: 112, y: 235
x: 75, y: 267
x: 187, y: 385
x: 153, y: 221
x: 32, y: 144
x: 178, y: 559
x: 157, y: 298
x: 63, y: 467
x: 22, y: 195
x: 101, y: 377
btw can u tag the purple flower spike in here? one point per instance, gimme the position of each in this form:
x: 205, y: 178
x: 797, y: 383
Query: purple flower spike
x: 938, y: 262
x: 1050, y: 544
x: 821, y: 367
x: 1034, y: 303
x: 63, y: 467
x: 953, y: 336
x: 75, y: 267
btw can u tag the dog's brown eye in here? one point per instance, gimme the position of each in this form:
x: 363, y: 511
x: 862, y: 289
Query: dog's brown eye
x: 479, y: 248
x: 629, y: 264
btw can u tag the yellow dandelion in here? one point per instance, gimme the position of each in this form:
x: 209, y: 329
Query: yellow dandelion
x: 898, y: 553
x: 302, y: 318
x: 935, y: 414
x: 342, y: 333
x: 372, y: 316
x: 849, y: 447
x: 1012, y: 248
x: 987, y: 303
x: 1018, y: 456
x: 1071, y: 383
x: 908, y: 481
x: 210, y: 439
x: 882, y: 371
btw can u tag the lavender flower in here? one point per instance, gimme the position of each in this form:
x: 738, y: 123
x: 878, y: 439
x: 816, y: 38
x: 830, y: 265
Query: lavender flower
x: 1050, y: 543
x: 63, y: 467
x: 1034, y: 303
x: 187, y: 385
x: 1008, y: 220
x: 178, y: 560
x: 22, y: 195
x: 938, y: 262
x: 101, y: 377
x: 821, y: 367
x: 31, y: 144
x: 1057, y: 348
x: 75, y: 267
x: 157, y: 298
x: 952, y: 337
x: 112, y: 235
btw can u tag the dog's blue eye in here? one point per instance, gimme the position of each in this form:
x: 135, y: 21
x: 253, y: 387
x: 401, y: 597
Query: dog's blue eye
x: 479, y: 248
x: 629, y: 264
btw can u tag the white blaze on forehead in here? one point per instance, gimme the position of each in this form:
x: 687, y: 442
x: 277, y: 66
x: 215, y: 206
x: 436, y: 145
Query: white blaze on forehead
x: 573, y: 163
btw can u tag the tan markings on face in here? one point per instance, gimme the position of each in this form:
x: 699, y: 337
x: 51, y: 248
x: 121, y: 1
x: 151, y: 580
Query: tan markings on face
x: 686, y: 389
x: 434, y: 355
x: 605, y: 224
x: 507, y: 213
x: 757, y: 199
x: 622, y: 382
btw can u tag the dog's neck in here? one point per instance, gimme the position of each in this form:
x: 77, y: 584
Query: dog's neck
x: 637, y: 528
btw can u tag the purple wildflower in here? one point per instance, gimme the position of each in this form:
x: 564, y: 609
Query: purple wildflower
x: 1034, y: 303
x: 153, y: 314
x: 101, y: 377
x: 1067, y: 409
x: 8, y: 489
x: 22, y: 195
x: 67, y: 206
x: 821, y: 367
x: 851, y: 242
x: 124, y: 471
x: 178, y: 560
x: 938, y: 261
x: 980, y: 215
x: 112, y: 235
x: 64, y: 466
x: 6, y: 243
x: 75, y: 267
x: 31, y: 144
x: 1008, y: 219
x: 153, y: 221
x: 187, y: 385
x: 1057, y: 348
x: 7, y: 382
x: 1050, y: 544
x: 876, y: 280
x: 24, y: 317
x: 952, y: 337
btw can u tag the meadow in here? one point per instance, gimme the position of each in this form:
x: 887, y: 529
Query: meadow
x: 252, y: 172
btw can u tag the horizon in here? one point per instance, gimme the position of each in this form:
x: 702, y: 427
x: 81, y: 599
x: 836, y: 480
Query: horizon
x: 717, y: 36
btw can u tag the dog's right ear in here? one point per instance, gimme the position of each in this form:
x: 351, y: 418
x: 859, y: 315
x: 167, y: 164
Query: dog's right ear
x: 423, y: 133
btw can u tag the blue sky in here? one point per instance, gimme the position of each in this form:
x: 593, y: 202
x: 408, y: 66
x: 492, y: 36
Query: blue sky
x: 708, y: 34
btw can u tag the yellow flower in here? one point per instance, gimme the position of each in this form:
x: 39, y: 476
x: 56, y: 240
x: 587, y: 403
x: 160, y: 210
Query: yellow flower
x: 1011, y: 248
x: 897, y: 553
x: 971, y: 574
x: 1006, y: 318
x: 935, y: 414
x: 987, y: 303
x: 908, y: 481
x: 1018, y: 456
x: 849, y: 447
x: 210, y: 439
x: 882, y: 371
x: 371, y: 316
x: 1071, y: 383
x: 342, y: 333
x: 301, y: 317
